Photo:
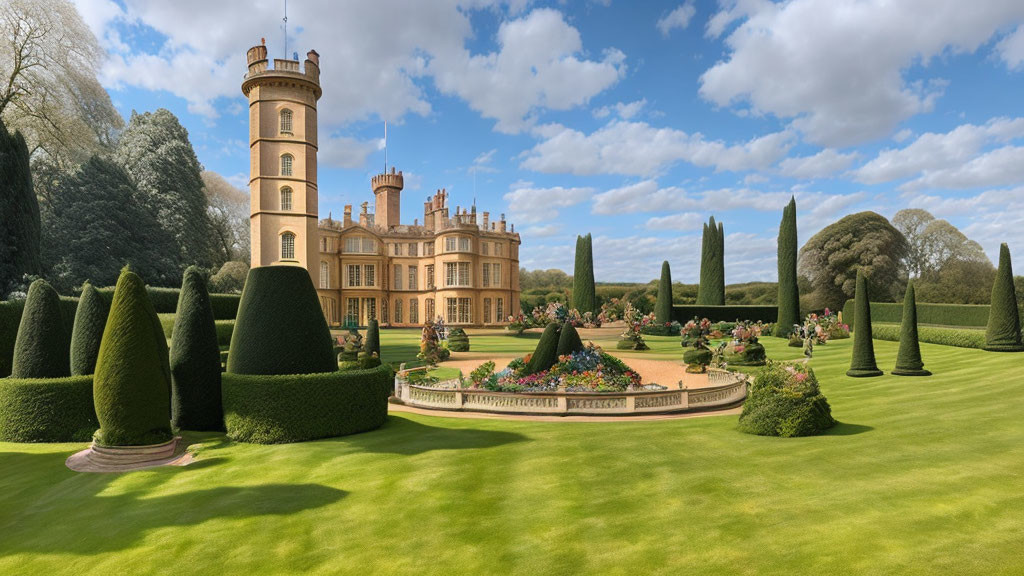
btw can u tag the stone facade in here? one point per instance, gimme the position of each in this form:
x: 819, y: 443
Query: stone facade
x: 454, y: 267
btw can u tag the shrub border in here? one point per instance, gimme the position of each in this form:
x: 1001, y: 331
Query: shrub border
x: 47, y: 409
x: 726, y: 313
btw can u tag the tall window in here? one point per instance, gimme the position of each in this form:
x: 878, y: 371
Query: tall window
x: 495, y: 274
x: 286, y: 198
x: 414, y: 311
x: 286, y: 165
x: 398, y: 278
x: 456, y: 244
x: 428, y: 309
x: 428, y: 248
x: 487, y: 310
x: 287, y: 246
x: 370, y: 307
x: 370, y: 274
x: 485, y: 279
x: 414, y: 249
x: 458, y: 310
x: 456, y: 273
x: 398, y: 311
x: 413, y: 280
x: 325, y: 275
x: 352, y: 311
x: 499, y: 311
x: 451, y: 309
x: 384, y: 312
x: 483, y: 248
x: 286, y: 121
x: 497, y: 249
x: 354, y: 276
x: 396, y: 249
x: 430, y: 276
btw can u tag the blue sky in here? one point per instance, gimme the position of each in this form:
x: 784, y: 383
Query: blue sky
x: 634, y: 121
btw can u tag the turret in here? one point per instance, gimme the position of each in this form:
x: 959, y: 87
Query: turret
x: 387, y: 192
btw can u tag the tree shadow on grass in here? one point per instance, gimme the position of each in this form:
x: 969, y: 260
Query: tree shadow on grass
x: 407, y: 437
x: 845, y: 429
x: 65, y: 512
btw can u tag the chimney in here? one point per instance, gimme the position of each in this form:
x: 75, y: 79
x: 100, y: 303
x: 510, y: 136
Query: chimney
x: 487, y: 219
x: 348, y: 216
x: 501, y: 224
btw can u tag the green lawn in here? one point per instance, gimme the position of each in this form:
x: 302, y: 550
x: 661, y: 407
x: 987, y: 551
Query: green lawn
x: 923, y: 476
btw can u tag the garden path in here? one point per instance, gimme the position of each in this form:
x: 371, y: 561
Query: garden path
x: 665, y: 372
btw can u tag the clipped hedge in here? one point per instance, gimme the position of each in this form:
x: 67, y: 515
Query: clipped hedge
x: 276, y: 409
x: 458, y: 340
x: 938, y: 314
x: 47, y: 409
x: 165, y: 301
x: 224, y: 328
x: 87, y: 333
x: 959, y: 337
x: 10, y: 317
x: 727, y: 313
x: 195, y: 359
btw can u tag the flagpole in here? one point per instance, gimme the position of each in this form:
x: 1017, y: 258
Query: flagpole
x: 385, y: 146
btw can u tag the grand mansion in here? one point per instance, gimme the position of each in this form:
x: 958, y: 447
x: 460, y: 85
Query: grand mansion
x: 458, y: 267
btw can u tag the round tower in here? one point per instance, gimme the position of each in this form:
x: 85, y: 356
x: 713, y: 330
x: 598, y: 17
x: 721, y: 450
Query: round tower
x: 387, y: 193
x: 282, y: 159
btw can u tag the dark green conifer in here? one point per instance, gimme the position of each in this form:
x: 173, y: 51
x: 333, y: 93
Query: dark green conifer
x: 663, y: 306
x: 41, y: 347
x: 1003, y: 331
x: 584, y: 297
x: 19, y: 212
x: 546, y: 353
x: 372, y: 342
x: 789, y: 292
x: 569, y: 340
x: 863, y: 362
x: 195, y: 359
x: 711, y: 291
x: 90, y: 320
x: 908, y: 360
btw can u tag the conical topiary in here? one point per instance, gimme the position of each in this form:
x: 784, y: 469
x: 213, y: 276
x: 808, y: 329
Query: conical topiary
x: 280, y: 328
x: 583, y: 292
x: 371, y: 345
x: 41, y: 347
x: 568, y: 341
x: 663, y: 306
x: 863, y: 363
x: 90, y: 320
x: 789, y: 291
x: 1003, y: 331
x: 546, y: 353
x: 131, y: 388
x: 908, y: 360
x: 195, y: 359
x: 711, y: 291
x: 458, y: 340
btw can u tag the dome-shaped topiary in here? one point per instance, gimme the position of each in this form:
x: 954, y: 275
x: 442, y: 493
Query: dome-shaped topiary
x: 195, y: 359
x: 908, y: 360
x: 280, y: 328
x: 785, y: 401
x: 90, y: 320
x: 458, y: 340
x: 372, y: 344
x: 546, y: 353
x: 1003, y: 331
x: 41, y: 347
x: 569, y: 341
x: 131, y: 387
x: 863, y: 363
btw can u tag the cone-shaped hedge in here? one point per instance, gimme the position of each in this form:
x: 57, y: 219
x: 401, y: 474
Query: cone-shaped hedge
x: 908, y: 361
x: 131, y: 387
x: 41, y: 347
x: 863, y: 363
x: 789, y: 292
x: 584, y: 297
x: 569, y: 341
x: 372, y: 343
x: 195, y: 359
x: 663, y: 306
x: 711, y: 291
x: 280, y: 328
x: 458, y: 340
x: 546, y: 353
x: 90, y: 320
x: 1003, y: 332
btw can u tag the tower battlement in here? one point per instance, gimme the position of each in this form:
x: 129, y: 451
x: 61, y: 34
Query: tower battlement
x: 386, y: 180
x: 283, y: 69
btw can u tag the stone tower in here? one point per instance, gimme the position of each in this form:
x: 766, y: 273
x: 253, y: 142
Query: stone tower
x: 387, y: 192
x: 282, y: 159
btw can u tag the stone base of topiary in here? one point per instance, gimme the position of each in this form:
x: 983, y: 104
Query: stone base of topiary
x: 909, y: 372
x: 100, y: 458
x: 1004, y: 348
x: 864, y: 373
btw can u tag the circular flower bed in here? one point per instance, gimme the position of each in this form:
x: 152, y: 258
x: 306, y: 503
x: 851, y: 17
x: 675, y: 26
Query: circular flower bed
x: 586, y: 370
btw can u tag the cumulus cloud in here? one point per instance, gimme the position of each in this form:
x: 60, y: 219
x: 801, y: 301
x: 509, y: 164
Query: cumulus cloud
x: 838, y: 69
x: 542, y: 231
x: 678, y: 18
x: 345, y: 152
x: 1011, y: 49
x: 684, y: 221
x: 639, y: 149
x: 527, y: 203
x: 624, y: 110
x: 820, y: 165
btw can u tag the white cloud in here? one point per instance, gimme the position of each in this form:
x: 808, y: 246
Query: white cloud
x: 624, y: 110
x: 345, y: 152
x: 542, y: 231
x: 683, y: 221
x: 837, y: 69
x: 1000, y: 167
x: 529, y: 204
x: 820, y: 165
x: 643, y: 196
x: 678, y: 18
x: 1011, y: 49
x: 638, y: 149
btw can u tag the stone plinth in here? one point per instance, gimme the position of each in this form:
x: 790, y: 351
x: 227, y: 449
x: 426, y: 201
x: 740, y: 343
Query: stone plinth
x: 99, y: 458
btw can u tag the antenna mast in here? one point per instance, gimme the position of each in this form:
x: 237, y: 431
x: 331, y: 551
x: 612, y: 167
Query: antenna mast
x: 285, y: 28
x: 385, y: 146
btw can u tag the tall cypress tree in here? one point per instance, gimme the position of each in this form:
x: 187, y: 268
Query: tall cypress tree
x: 584, y: 295
x: 711, y: 291
x: 1003, y: 331
x: 663, y: 306
x: 789, y: 292
x: 90, y: 320
x: 863, y: 362
x: 19, y: 212
x: 908, y: 361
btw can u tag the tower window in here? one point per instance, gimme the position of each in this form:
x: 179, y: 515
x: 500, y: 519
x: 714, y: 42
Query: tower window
x: 287, y: 246
x: 325, y: 275
x: 286, y: 165
x: 286, y: 121
x: 286, y: 198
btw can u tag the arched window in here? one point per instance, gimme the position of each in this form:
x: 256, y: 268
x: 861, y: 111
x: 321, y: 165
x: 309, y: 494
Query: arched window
x: 325, y: 276
x: 286, y: 121
x: 286, y: 165
x: 287, y: 246
x: 286, y: 198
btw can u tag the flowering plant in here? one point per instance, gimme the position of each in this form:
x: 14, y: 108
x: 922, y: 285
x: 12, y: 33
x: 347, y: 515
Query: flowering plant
x: 632, y: 337
x: 557, y: 312
x: 586, y: 370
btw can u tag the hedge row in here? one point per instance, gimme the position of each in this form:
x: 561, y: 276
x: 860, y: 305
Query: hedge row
x: 959, y: 337
x: 274, y: 409
x: 47, y: 409
x: 10, y: 318
x: 938, y: 314
x: 224, y: 328
x: 165, y: 301
x: 727, y: 313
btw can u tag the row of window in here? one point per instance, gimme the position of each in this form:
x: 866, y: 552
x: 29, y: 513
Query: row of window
x: 457, y: 274
x: 457, y: 310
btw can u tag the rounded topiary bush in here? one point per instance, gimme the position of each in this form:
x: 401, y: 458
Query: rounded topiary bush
x: 272, y: 409
x: 195, y: 359
x: 785, y: 401
x: 697, y: 358
x: 746, y: 354
x: 90, y: 320
x: 569, y: 341
x: 47, y: 409
x: 41, y: 347
x: 132, y: 384
x: 458, y: 340
x: 546, y: 353
x: 280, y: 328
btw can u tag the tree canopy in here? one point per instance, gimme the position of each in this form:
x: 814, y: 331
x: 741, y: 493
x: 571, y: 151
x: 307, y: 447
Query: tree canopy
x: 19, y: 212
x: 932, y: 243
